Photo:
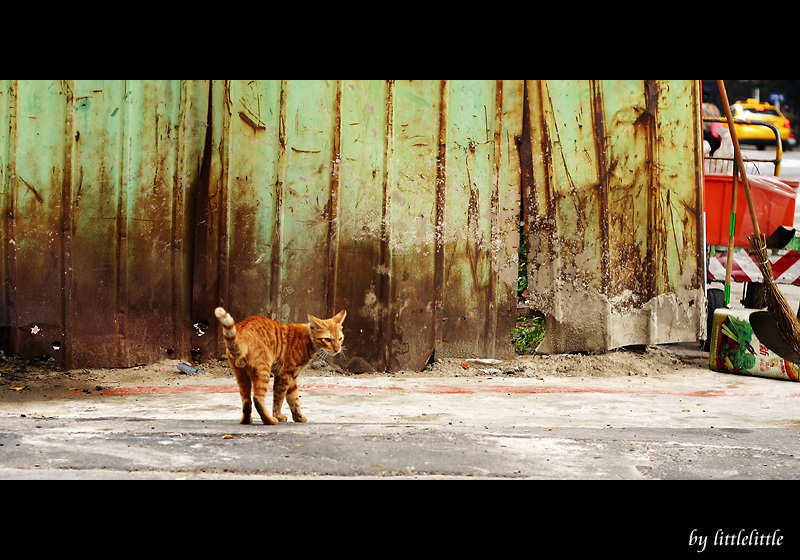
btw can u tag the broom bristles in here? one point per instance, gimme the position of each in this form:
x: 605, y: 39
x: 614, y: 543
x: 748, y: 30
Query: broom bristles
x: 771, y: 297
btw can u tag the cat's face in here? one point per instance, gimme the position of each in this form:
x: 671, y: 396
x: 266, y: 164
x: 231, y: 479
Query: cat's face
x: 327, y: 333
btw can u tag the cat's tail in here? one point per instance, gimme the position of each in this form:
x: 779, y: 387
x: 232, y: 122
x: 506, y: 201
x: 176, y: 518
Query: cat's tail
x: 229, y: 334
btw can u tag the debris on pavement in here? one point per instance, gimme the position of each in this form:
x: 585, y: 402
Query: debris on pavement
x: 189, y: 370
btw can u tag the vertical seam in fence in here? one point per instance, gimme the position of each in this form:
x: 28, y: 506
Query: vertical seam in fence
x: 700, y: 205
x: 333, y: 204
x: 175, y: 151
x: 656, y: 237
x: 603, y: 172
x: 384, y: 286
x: 67, y: 217
x: 439, y: 225
x: 10, y: 217
x: 182, y: 226
x: 277, y: 247
x: 495, y: 231
x: 122, y: 218
x: 223, y: 187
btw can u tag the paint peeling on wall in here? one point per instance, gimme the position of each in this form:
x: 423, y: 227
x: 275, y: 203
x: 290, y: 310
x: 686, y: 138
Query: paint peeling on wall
x: 613, y: 212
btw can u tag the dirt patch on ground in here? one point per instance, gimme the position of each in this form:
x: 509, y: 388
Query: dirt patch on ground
x: 41, y: 379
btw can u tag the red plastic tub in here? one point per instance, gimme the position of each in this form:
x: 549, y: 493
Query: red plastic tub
x: 773, y: 199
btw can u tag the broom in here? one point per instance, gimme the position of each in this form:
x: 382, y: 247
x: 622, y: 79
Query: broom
x: 731, y: 238
x: 771, y: 296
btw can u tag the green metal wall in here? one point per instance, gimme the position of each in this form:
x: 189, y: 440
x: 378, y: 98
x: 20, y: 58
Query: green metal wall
x: 133, y: 208
x: 96, y: 244
x: 614, y: 212
x: 398, y: 201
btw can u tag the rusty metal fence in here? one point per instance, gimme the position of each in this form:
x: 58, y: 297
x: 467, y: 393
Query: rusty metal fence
x: 615, y: 212
x: 133, y: 208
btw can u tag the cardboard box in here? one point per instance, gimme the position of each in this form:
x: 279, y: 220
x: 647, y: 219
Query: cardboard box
x: 735, y: 348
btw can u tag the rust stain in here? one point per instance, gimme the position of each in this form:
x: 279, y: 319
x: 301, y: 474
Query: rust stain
x: 332, y: 207
x: 656, y: 238
x: 385, y: 322
x: 396, y: 264
x: 604, y: 172
x: 439, y: 255
x: 250, y: 122
x: 33, y: 190
x: 9, y: 336
x: 277, y: 240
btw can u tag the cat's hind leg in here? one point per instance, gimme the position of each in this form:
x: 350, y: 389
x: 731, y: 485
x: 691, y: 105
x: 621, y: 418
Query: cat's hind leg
x: 260, y: 386
x: 245, y: 390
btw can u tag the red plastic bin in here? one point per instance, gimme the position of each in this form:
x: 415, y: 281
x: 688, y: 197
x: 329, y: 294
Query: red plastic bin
x: 773, y: 199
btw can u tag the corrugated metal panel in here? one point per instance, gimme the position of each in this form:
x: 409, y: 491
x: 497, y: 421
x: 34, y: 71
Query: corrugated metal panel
x: 613, y: 212
x: 395, y: 200
x: 97, y: 248
x: 133, y: 208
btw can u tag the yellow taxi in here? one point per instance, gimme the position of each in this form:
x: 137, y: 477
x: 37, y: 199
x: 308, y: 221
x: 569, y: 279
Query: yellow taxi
x: 759, y: 135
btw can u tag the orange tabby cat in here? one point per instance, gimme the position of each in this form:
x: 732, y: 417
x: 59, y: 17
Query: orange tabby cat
x: 258, y: 345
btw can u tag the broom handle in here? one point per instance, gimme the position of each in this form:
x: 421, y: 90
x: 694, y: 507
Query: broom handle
x: 738, y: 154
x: 731, y: 235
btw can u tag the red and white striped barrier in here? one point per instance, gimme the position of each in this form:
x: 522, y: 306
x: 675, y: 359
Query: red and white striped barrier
x: 785, y: 267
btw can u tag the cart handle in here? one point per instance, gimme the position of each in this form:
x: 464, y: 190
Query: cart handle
x: 778, y: 148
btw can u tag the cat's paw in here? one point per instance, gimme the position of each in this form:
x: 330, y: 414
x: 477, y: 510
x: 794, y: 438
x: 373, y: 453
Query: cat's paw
x: 299, y: 418
x: 280, y: 417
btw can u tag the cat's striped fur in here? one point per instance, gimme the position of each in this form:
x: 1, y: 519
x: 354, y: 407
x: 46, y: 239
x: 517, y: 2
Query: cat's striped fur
x: 257, y: 346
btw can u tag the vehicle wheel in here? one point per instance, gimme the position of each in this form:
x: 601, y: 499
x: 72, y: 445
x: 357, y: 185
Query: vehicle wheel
x: 716, y: 300
x: 751, y: 291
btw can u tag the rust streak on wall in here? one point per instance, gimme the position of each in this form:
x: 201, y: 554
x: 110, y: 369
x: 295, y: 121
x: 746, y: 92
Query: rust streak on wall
x: 603, y: 173
x: 542, y: 196
x: 277, y: 240
x: 12, y: 318
x: 441, y: 186
x: 399, y: 198
x: 67, y: 340
x: 385, y: 321
x: 656, y: 236
x: 495, y: 237
x: 332, y: 208
x: 526, y: 180
x: 205, y: 279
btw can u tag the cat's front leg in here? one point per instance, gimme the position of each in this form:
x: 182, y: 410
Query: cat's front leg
x: 293, y: 399
x: 279, y: 388
x: 286, y: 387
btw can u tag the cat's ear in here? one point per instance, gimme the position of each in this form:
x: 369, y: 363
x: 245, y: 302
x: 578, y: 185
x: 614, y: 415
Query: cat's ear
x: 315, y: 323
x: 339, y: 317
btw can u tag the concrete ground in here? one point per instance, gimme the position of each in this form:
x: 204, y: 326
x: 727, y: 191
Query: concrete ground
x: 693, y: 397
x: 690, y: 423
x: 681, y: 422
